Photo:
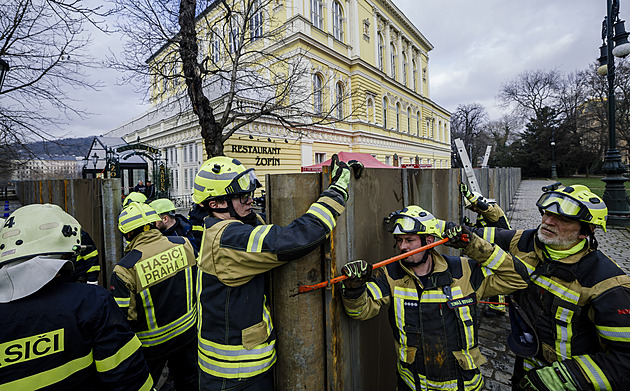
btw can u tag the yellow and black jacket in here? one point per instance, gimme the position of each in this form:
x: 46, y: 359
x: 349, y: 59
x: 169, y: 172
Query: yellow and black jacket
x: 579, y: 307
x: 435, y: 325
x: 154, y: 286
x: 236, y: 334
x: 69, y: 336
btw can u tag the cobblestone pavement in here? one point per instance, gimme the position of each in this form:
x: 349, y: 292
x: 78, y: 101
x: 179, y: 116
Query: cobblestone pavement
x: 493, y: 331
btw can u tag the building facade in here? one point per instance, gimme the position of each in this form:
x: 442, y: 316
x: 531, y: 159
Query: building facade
x: 47, y: 167
x: 368, y: 47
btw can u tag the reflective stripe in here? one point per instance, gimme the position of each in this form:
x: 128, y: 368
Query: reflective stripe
x: 531, y: 363
x: 49, y: 377
x: 169, y: 331
x: 594, y: 372
x: 433, y: 297
x: 400, y: 294
x: 94, y: 269
x: 235, y: 353
x: 621, y: 334
x: 267, y: 316
x: 111, y: 362
x: 486, y: 271
x: 564, y: 332
x: 530, y: 268
x: 190, y: 302
x: 136, y: 217
x: 407, y: 376
x: 496, y: 258
x: 488, y: 234
x: 238, y: 370
x: 474, y: 383
x: 556, y: 289
x: 469, y: 331
x: 88, y: 256
x: 375, y: 290
x: 149, y: 311
x: 122, y: 301
x: 148, y: 385
x: 256, y: 237
x: 323, y: 214
x: 197, y: 228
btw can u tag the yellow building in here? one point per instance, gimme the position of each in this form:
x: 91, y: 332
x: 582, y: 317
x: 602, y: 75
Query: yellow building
x: 367, y: 47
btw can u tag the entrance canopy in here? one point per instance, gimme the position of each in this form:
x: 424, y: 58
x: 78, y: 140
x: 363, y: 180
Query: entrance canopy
x: 365, y: 158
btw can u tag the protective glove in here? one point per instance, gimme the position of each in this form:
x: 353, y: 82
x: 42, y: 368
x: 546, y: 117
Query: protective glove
x: 358, y: 272
x: 470, y: 196
x: 467, y: 221
x: 340, y: 176
x: 554, y: 378
x: 357, y: 167
x: 459, y: 236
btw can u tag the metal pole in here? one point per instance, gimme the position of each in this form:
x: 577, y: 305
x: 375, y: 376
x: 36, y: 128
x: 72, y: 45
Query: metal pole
x: 615, y: 195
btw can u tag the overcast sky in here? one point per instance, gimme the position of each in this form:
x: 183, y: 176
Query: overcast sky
x: 478, y: 45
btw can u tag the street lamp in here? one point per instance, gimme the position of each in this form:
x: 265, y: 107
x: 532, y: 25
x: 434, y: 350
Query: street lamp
x: 554, y: 173
x: 94, y: 161
x: 614, y: 44
x: 4, y: 68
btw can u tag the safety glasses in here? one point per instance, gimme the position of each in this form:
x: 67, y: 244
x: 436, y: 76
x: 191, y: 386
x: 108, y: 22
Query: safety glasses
x: 245, y: 181
x: 401, y: 224
x: 244, y: 198
x: 563, y: 205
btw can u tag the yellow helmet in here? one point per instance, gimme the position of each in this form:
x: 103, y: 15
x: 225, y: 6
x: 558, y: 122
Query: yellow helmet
x: 134, y: 196
x: 415, y: 220
x: 223, y: 176
x: 136, y: 215
x: 38, y: 229
x: 576, y: 202
x: 163, y: 206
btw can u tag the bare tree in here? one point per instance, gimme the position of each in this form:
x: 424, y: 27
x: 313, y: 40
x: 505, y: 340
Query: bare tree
x: 531, y: 92
x: 235, y: 62
x: 45, y: 43
x: 467, y: 123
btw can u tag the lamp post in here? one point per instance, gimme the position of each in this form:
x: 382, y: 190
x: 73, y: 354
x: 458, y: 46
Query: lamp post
x: 94, y: 161
x: 554, y: 173
x: 4, y: 68
x: 614, y: 44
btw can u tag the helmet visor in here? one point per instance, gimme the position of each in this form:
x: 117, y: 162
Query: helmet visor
x: 401, y: 224
x: 563, y: 205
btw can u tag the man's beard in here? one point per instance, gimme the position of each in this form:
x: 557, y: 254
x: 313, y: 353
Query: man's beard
x: 560, y: 241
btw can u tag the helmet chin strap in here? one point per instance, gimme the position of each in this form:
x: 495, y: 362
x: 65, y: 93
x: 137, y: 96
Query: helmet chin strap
x: 248, y: 219
x: 423, y: 242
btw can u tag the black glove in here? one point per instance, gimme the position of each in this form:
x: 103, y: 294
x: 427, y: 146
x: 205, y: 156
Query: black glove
x: 340, y: 176
x: 459, y: 236
x: 467, y: 221
x: 357, y: 167
x: 358, y: 272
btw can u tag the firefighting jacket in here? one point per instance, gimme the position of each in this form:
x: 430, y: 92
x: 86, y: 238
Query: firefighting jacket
x: 87, y: 266
x: 579, y: 307
x: 195, y: 217
x: 154, y: 286
x: 236, y: 334
x: 493, y: 216
x: 182, y: 227
x: 69, y: 336
x: 435, y: 325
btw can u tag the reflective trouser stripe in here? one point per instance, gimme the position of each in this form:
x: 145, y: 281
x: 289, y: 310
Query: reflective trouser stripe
x: 323, y: 214
x: 169, y: 331
x: 49, y: 377
x: 593, y: 372
x: 235, y: 362
x: 111, y: 362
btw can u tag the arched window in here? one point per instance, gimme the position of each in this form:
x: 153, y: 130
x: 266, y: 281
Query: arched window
x: 404, y: 75
x: 415, y: 75
x: 385, y: 112
x: 339, y: 100
x: 381, y: 50
x: 318, y: 94
x: 393, y: 60
x: 370, y: 110
x: 215, y: 47
x: 337, y: 20
x: 256, y: 21
x: 398, y: 117
x: 317, y: 14
x: 408, y: 120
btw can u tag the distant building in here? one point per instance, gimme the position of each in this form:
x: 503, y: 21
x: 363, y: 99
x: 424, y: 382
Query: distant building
x: 47, y: 167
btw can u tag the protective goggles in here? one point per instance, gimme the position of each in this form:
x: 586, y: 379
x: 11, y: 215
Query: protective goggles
x: 401, y: 224
x: 245, y: 182
x: 244, y: 197
x: 563, y: 205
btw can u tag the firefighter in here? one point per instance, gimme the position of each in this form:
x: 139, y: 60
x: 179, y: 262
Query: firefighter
x: 153, y: 284
x: 171, y: 223
x: 134, y: 196
x: 432, y: 300
x: 577, y: 299
x: 57, y: 334
x: 87, y: 266
x: 489, y: 214
x: 236, y: 333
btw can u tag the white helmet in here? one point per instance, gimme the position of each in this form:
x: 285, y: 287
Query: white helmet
x: 33, y: 241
